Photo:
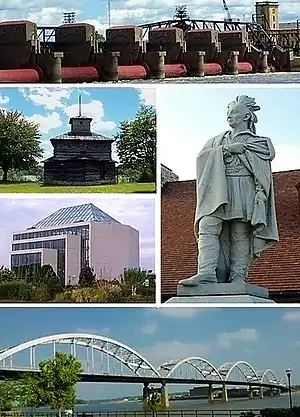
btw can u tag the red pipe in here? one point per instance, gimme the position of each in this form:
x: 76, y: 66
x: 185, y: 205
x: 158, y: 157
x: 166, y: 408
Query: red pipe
x: 80, y: 74
x: 213, y: 68
x: 244, y: 67
x: 175, y: 70
x: 27, y: 75
x: 131, y: 72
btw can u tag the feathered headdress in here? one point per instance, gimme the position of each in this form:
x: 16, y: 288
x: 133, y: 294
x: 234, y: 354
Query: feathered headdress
x: 251, y: 105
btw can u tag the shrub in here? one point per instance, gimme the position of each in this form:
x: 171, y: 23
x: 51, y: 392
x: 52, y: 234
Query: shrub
x: 16, y: 290
x: 276, y: 412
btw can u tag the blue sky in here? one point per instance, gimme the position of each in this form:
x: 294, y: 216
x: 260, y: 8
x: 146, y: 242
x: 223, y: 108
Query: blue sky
x: 52, y: 107
x: 50, y: 12
x: 203, y: 116
x: 136, y: 211
x: 264, y: 337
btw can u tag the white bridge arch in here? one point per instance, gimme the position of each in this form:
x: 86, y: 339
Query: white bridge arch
x: 245, y: 368
x: 201, y: 365
x: 133, y: 360
x: 137, y: 364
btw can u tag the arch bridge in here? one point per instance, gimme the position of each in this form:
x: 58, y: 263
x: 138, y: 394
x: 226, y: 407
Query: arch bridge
x: 107, y: 360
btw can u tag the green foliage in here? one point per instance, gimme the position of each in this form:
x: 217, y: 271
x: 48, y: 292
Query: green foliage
x: 248, y: 414
x: 44, y: 282
x: 57, y: 380
x: 19, y: 142
x: 276, y: 412
x: 29, y: 392
x: 16, y: 290
x: 87, y: 278
x: 136, y: 146
x: 7, y: 395
x: 6, y: 274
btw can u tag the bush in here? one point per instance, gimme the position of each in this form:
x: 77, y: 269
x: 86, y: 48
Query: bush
x: 248, y: 414
x: 16, y: 290
x: 276, y: 412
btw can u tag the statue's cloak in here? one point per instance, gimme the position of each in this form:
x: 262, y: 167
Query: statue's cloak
x: 212, y: 192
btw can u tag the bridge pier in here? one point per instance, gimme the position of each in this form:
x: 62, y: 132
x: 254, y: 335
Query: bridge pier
x: 210, y: 393
x: 162, y: 397
x: 224, y: 394
x: 261, y: 392
x: 164, y: 402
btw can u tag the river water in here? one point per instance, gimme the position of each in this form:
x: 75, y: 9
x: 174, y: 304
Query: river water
x: 234, y: 404
x: 272, y: 78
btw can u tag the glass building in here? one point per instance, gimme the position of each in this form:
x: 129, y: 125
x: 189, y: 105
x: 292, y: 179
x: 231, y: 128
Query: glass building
x: 76, y: 236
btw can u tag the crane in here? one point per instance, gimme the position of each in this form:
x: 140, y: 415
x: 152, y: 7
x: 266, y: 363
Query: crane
x: 228, y: 15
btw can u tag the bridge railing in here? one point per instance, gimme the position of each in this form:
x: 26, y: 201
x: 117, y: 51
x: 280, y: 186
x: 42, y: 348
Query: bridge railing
x: 168, y: 413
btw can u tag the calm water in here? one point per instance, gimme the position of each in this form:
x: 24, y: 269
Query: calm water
x: 273, y: 78
x: 240, y: 404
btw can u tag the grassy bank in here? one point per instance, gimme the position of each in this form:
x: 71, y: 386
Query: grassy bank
x: 39, y: 187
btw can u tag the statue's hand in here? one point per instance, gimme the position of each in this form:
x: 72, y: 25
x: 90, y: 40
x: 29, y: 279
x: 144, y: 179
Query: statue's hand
x: 237, y: 147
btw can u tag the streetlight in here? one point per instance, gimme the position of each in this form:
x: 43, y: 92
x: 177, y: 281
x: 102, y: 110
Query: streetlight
x: 289, y: 374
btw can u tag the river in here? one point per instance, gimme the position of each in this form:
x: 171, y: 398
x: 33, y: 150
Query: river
x: 233, y: 404
x: 272, y: 78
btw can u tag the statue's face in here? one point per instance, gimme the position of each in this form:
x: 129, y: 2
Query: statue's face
x: 237, y: 114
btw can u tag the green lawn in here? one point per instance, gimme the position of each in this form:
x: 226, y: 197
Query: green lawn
x: 38, y: 187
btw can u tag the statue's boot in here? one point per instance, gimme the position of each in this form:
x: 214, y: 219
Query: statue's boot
x: 240, y: 251
x: 208, y: 249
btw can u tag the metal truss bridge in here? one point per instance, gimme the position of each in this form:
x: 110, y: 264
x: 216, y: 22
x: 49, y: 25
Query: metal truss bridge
x: 107, y: 360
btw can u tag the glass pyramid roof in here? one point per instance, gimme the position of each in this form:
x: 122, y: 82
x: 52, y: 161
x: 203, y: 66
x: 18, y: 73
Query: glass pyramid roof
x: 75, y: 214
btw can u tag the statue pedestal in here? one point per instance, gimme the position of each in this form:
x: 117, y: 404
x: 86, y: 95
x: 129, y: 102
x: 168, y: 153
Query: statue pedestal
x: 239, y: 292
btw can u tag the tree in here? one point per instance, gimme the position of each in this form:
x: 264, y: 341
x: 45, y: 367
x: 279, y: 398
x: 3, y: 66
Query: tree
x: 136, y: 146
x: 7, y: 275
x: 45, y: 281
x: 58, y: 378
x: 29, y: 392
x: 19, y: 142
x: 87, y: 278
x: 7, y: 395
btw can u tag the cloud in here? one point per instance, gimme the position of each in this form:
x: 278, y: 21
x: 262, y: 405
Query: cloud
x: 95, y: 110
x: 149, y: 328
x: 163, y: 351
x: 292, y: 316
x: 100, y: 332
x: 46, y: 123
x: 50, y: 98
x: 4, y: 99
x: 147, y: 96
x: 226, y: 340
x: 180, y: 312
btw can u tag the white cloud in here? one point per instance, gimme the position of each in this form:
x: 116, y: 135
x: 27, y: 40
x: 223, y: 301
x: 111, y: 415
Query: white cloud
x: 292, y: 316
x: 149, y: 328
x: 100, y: 332
x: 4, y: 99
x: 50, y: 98
x: 147, y: 96
x: 287, y: 158
x: 95, y: 110
x: 161, y: 352
x: 179, y: 312
x: 47, y: 122
x: 243, y: 335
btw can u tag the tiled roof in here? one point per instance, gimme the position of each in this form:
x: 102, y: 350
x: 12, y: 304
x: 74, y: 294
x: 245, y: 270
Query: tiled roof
x: 81, y: 136
x: 278, y: 268
x: 75, y: 214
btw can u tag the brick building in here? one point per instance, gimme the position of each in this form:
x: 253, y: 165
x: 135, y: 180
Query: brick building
x: 278, y: 268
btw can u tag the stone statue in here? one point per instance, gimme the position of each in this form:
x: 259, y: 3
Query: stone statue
x: 235, y: 214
